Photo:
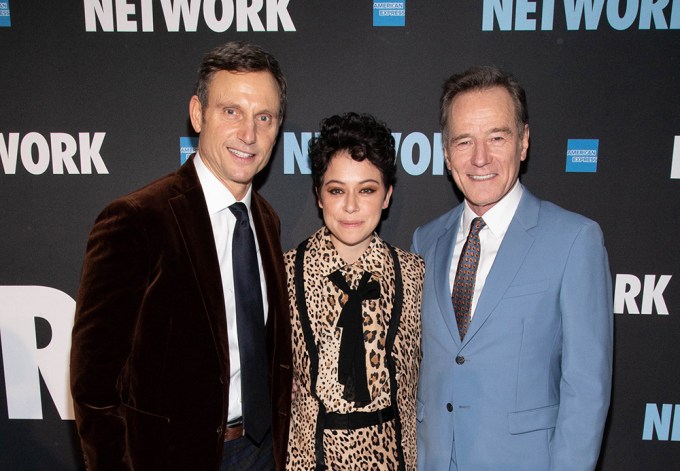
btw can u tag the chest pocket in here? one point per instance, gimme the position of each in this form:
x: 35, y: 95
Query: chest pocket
x: 526, y: 289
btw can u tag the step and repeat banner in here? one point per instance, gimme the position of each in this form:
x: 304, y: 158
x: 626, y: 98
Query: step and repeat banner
x: 94, y: 103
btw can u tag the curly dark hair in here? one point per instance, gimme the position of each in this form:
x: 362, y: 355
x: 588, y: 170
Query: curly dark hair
x: 362, y: 136
x: 239, y: 56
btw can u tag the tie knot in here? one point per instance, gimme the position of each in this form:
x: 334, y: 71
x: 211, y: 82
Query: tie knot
x: 366, y: 289
x: 476, y: 225
x: 240, y: 211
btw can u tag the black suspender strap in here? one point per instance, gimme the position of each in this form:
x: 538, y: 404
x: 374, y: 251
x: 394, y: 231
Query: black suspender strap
x: 312, y: 351
x: 397, y: 306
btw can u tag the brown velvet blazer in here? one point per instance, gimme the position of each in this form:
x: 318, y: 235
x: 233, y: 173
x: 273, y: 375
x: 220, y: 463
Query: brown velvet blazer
x: 149, y: 359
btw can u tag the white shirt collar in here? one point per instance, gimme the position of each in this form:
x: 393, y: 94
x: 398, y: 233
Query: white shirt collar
x: 217, y: 196
x: 498, y: 218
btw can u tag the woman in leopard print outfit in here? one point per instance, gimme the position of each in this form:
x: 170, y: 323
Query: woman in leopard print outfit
x: 355, y: 308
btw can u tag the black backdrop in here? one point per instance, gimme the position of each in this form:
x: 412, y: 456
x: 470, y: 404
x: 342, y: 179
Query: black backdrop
x: 94, y: 100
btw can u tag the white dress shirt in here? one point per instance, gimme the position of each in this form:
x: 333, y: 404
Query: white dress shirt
x: 497, y: 221
x: 218, y: 199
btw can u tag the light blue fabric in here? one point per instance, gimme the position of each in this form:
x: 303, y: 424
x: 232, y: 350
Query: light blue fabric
x: 528, y: 388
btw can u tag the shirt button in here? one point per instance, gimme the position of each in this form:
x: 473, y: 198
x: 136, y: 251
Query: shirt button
x: 449, y: 407
x: 460, y: 359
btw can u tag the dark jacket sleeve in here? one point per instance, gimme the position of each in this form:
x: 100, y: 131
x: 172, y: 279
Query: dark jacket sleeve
x: 112, y: 286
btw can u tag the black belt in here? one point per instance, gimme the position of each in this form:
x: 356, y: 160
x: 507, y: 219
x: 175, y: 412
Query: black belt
x: 355, y: 420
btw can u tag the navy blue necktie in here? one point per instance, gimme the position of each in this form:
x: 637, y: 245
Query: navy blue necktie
x: 464, y: 284
x: 251, y: 330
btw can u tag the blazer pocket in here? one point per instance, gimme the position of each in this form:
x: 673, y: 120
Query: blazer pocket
x: 146, y: 437
x: 132, y: 412
x: 534, y: 419
x: 420, y: 410
x: 514, y: 291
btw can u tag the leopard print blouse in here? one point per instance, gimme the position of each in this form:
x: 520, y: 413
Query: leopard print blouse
x: 374, y: 447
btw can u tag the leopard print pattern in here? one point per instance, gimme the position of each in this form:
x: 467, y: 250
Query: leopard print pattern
x: 370, y: 448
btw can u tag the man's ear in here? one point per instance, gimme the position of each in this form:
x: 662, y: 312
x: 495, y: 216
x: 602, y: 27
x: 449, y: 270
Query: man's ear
x: 445, y: 149
x: 525, y: 143
x: 196, y: 113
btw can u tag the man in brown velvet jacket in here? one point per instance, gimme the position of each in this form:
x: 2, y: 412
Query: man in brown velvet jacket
x: 155, y: 371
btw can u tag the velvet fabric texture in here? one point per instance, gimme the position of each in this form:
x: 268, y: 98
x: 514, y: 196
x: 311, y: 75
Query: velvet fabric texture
x: 150, y: 361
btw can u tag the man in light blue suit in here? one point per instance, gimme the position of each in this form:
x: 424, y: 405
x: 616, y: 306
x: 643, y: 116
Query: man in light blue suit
x: 520, y: 378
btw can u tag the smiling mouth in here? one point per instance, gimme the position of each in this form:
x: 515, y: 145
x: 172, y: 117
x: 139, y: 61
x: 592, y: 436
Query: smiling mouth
x: 240, y: 154
x: 481, y: 178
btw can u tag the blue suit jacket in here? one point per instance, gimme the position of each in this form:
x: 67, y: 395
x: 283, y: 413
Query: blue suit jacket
x: 529, y: 386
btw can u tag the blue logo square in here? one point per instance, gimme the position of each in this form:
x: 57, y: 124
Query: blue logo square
x: 582, y: 155
x: 187, y: 146
x: 5, y: 19
x: 389, y: 13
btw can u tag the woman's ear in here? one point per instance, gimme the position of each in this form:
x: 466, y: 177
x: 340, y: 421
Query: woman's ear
x: 386, y: 203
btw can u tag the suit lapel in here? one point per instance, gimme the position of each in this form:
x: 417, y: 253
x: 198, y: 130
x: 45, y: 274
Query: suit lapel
x: 278, y: 331
x: 442, y: 266
x: 511, y: 254
x: 270, y: 250
x: 193, y: 222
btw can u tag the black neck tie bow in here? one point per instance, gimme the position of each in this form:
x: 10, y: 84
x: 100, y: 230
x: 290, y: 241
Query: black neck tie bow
x: 352, y: 357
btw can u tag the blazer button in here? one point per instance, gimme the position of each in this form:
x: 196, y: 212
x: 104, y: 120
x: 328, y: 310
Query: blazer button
x: 460, y: 359
x: 219, y: 430
x: 449, y: 407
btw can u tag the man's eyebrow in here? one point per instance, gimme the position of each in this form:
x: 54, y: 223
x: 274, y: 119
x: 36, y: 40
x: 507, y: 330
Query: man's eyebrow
x: 504, y: 129
x: 460, y: 136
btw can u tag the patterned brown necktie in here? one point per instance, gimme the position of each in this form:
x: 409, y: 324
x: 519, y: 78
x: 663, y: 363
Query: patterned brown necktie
x: 464, y: 284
